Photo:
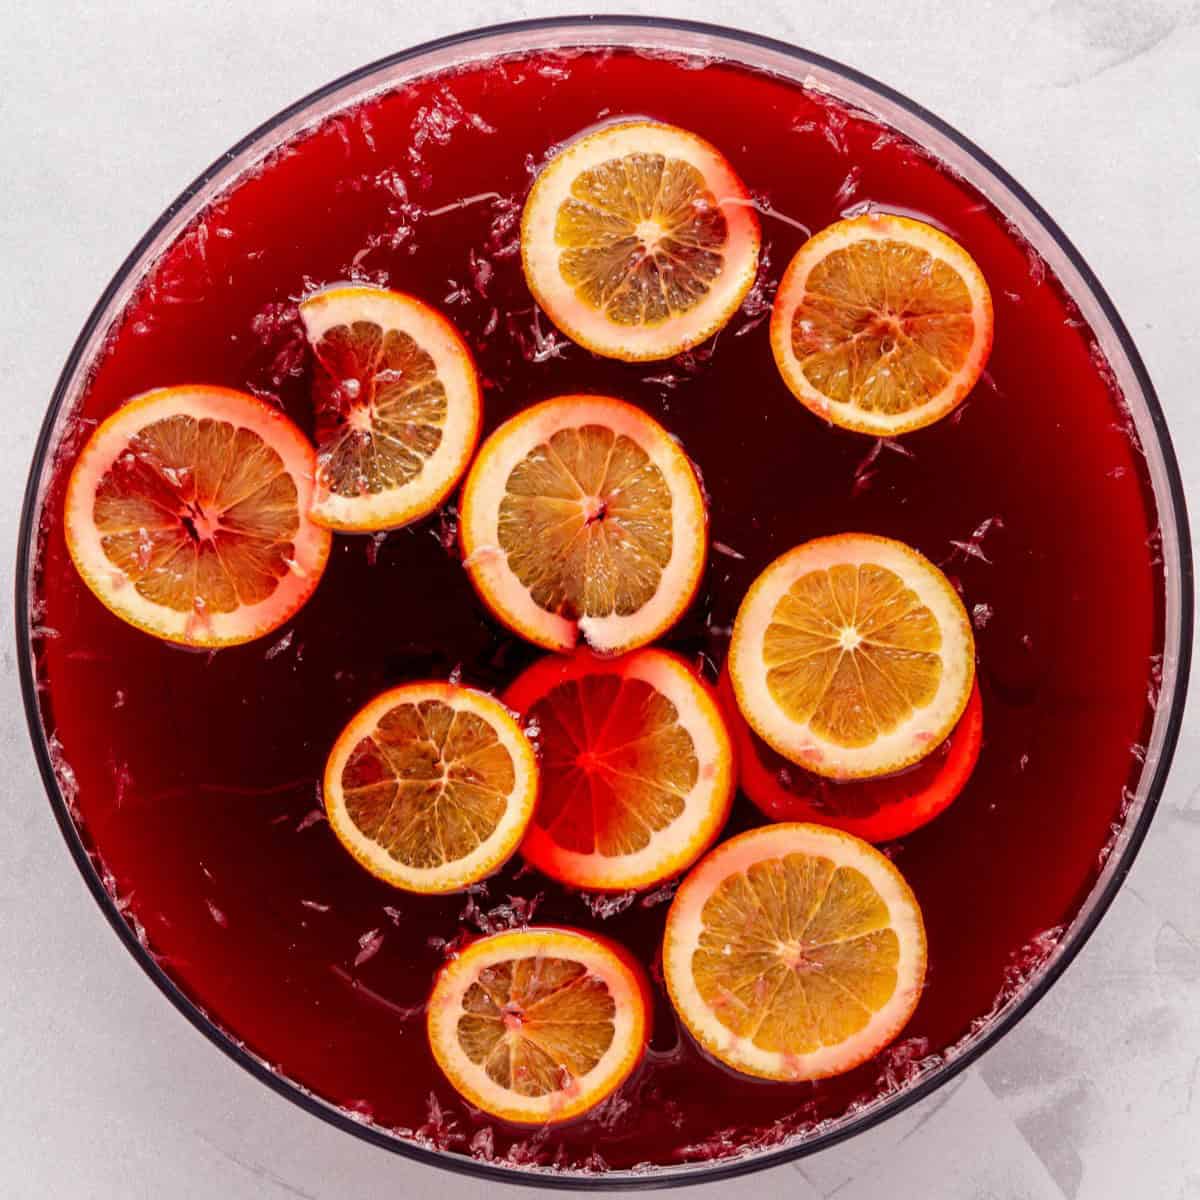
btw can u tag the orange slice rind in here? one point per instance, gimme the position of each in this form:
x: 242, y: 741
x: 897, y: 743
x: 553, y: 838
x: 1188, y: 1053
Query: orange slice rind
x: 639, y: 240
x: 581, y: 518
x: 186, y: 516
x: 431, y: 786
x: 881, y: 324
x: 794, y: 952
x: 537, y: 1026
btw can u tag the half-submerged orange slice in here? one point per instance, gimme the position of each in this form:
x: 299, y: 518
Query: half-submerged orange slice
x: 637, y: 768
x: 878, y: 809
x: 187, y: 516
x: 639, y: 240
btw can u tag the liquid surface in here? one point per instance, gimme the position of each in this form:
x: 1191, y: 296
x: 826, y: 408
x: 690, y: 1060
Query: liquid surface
x: 196, y: 776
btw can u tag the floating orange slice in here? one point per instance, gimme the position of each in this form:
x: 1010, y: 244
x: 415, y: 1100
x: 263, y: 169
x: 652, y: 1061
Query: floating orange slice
x: 537, y: 1026
x: 852, y: 656
x: 639, y: 240
x: 881, y: 324
x: 397, y: 405
x: 794, y: 952
x: 637, y: 768
x: 186, y: 515
x: 431, y: 786
x: 582, y: 516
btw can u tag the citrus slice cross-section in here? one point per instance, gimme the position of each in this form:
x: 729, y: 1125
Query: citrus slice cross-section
x: 186, y: 515
x: 637, y: 768
x: 397, y: 406
x: 876, y: 810
x: 794, y: 952
x: 639, y: 240
x: 537, y: 1026
x: 582, y: 516
x: 431, y: 786
x: 852, y: 656
x: 881, y: 324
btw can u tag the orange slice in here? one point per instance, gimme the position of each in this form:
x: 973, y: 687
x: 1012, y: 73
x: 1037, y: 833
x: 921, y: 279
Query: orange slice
x: 639, y: 240
x: 877, y: 810
x: 852, y: 656
x: 186, y: 515
x: 881, y: 324
x: 537, y: 1026
x: 794, y: 952
x: 582, y: 516
x: 637, y: 768
x: 397, y: 405
x: 431, y: 786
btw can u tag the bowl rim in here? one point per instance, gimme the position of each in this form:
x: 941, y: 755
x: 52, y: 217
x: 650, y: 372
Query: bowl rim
x: 1095, y: 905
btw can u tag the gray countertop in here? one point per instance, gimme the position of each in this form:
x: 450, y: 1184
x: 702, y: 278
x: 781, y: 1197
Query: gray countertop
x: 107, y: 111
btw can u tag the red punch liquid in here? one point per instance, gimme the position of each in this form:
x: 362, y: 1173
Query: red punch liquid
x: 196, y: 775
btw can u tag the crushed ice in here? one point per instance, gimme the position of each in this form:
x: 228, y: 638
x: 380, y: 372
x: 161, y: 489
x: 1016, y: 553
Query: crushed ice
x: 64, y: 773
x: 972, y: 547
x: 277, y: 648
x: 315, y: 817
x: 866, y: 470
x: 603, y: 905
x: 514, y: 912
x: 122, y: 778
x: 536, y: 344
x: 848, y: 187
x: 660, y: 895
x: 441, y: 1127
x: 368, y: 946
x: 437, y: 123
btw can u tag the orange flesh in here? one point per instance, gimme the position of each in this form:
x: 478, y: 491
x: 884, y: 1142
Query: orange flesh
x: 642, y: 238
x: 536, y: 1024
x: 585, y: 523
x: 429, y: 784
x: 616, y: 764
x: 199, y: 514
x: 380, y: 408
x: 796, y: 953
x: 883, y: 325
x: 852, y: 651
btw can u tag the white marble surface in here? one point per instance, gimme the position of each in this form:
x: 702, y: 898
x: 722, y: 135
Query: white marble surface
x: 107, y: 110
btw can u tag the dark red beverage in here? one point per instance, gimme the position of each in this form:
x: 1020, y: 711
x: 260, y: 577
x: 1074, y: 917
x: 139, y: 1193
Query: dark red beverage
x: 196, y: 776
